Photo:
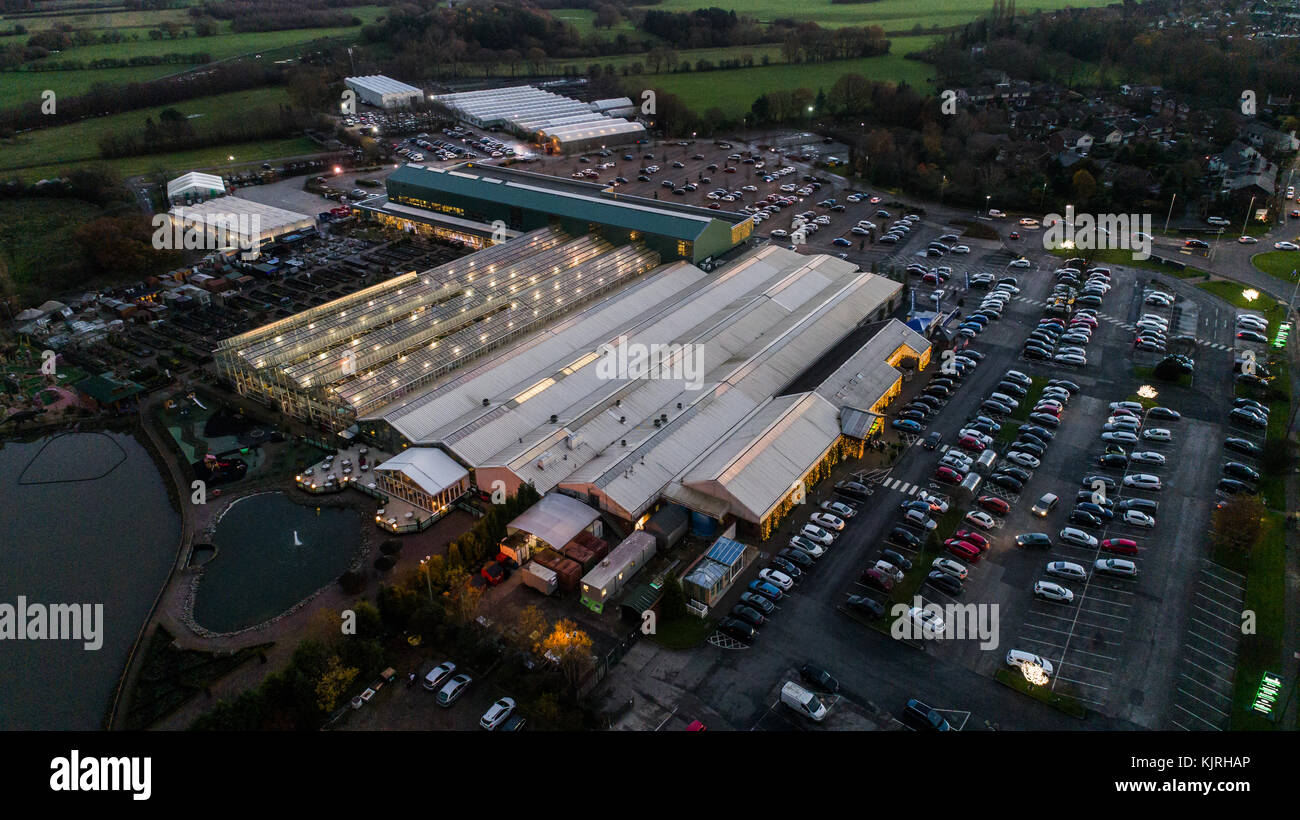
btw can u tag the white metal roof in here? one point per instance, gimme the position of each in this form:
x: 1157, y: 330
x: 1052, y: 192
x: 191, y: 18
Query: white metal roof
x: 635, y: 549
x: 379, y: 84
x: 756, y: 467
x: 555, y: 519
x: 430, y: 468
x: 866, y: 375
x: 249, y: 220
x: 195, y: 181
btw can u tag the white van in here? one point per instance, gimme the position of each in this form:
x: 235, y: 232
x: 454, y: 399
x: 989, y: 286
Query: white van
x: 802, y: 701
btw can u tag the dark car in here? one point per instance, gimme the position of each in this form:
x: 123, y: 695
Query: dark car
x: 1094, y: 509
x: 1045, y: 418
x: 768, y: 591
x: 1032, y: 446
x: 1164, y: 413
x: 1145, y: 505
x: 819, y: 677
x: 852, y: 489
x: 1231, y: 486
x: 921, y: 717
x: 797, y: 557
x: 1070, y: 386
x: 738, y: 629
x: 1005, y: 481
x: 1235, y: 469
x: 1242, y: 445
x: 992, y: 406
x: 1016, y: 472
x: 1242, y: 415
x: 758, y: 602
x: 748, y: 614
x: 866, y: 606
x: 904, y: 538
x: 1034, y: 540
x: 1041, y: 433
x: 1084, y: 519
x: 896, y: 559
x: 944, y: 582
x: 931, y: 441
x: 1037, y: 353
x: 1090, y: 481
x: 1011, y: 388
x: 1113, y: 460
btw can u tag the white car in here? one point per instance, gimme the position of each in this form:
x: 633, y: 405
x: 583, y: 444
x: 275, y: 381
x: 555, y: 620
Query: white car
x: 827, y: 521
x: 929, y: 622
x: 1286, y: 246
x: 497, y: 713
x: 937, y: 503
x: 812, y: 548
x: 960, y: 249
x: 1247, y: 240
x: 1018, y: 263
x: 1126, y: 405
x: 1053, y: 592
x: 1019, y: 658
x: 982, y: 438
x: 1065, y: 569
x: 1120, y: 437
x: 1142, y: 481
x: 1078, y: 537
x: 780, y: 579
x: 949, y: 566
x: 1116, y: 566
x: 981, y: 519
x: 890, y: 570
x: 1146, y: 457
x: 1157, y: 434
x: 779, y: 232
x: 1023, y: 459
x: 817, y: 535
x: 956, y: 461
x: 453, y: 689
x: 839, y: 508
x: 438, y: 674
x: 919, y: 520
x: 1217, y: 220
x: 1029, y: 223
x: 1136, y: 518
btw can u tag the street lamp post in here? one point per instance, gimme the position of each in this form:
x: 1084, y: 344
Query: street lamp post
x: 428, y: 582
x: 988, y: 200
x: 1171, y: 212
x: 1246, y: 222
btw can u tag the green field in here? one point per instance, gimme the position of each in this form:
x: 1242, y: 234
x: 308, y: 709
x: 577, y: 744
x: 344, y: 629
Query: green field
x: 734, y: 90
x: 583, y: 20
x: 79, y: 141
x: 215, y: 159
x: 20, y: 86
x: 35, y: 234
x: 1279, y: 264
x: 893, y: 15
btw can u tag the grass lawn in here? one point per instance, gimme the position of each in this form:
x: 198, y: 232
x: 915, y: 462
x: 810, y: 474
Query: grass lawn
x: 171, y: 676
x: 18, y: 86
x: 79, y: 141
x: 584, y: 21
x: 893, y: 15
x: 1021, y: 413
x: 1262, y: 652
x: 1278, y: 264
x: 683, y: 633
x: 1056, y: 700
x: 213, y: 159
x: 1232, y: 293
x: 734, y: 90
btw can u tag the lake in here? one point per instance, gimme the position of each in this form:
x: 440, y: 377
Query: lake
x: 87, y: 520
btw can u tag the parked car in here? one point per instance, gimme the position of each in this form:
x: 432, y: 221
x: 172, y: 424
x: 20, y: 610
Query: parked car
x: 1116, y: 566
x: 497, y: 714
x: 1067, y: 570
x: 453, y: 689
x: 1054, y: 592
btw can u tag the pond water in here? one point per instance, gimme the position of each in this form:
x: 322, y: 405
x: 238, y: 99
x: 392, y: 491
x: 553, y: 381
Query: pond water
x: 272, y: 553
x: 86, y: 520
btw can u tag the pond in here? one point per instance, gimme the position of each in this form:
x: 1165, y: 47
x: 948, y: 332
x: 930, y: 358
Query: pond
x: 271, y: 554
x: 87, y: 520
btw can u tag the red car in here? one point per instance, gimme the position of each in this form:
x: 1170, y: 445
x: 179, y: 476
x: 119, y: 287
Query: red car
x: 970, y: 443
x: 877, y: 579
x: 1048, y: 408
x: 1013, y: 235
x: 948, y: 475
x: 994, y: 504
x: 973, y: 537
x: 962, y: 550
x: 494, y: 573
x: 1123, y: 546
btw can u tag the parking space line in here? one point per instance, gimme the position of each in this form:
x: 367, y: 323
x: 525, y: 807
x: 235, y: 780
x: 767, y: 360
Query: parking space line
x: 1198, y: 700
x: 1206, y: 686
x: 1207, y: 671
x: 1198, y: 717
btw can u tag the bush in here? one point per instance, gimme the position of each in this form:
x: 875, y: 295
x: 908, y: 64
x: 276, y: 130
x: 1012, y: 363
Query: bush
x: 384, y: 563
x: 352, y: 582
x: 391, y: 546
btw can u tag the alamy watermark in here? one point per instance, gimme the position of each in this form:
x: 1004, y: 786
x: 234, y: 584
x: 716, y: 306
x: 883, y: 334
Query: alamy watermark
x: 636, y: 360
x: 22, y: 621
x: 216, y: 232
x: 950, y: 622
x: 1121, y: 232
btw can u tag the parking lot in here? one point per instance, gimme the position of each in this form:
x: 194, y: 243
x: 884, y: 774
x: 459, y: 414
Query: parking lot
x: 1204, y: 687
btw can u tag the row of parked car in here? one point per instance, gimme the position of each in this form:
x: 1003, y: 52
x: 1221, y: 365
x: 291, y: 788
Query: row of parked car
x: 789, y: 566
x: 450, y: 685
x: 1238, y: 477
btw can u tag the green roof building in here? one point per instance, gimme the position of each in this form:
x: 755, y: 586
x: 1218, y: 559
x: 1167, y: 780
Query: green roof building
x: 480, y: 199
